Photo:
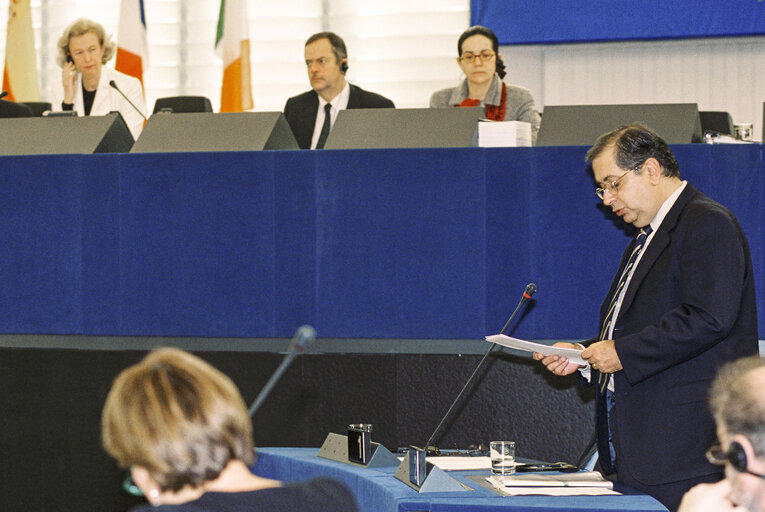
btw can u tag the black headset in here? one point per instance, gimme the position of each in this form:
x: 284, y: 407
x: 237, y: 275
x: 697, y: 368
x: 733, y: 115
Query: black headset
x: 344, y: 66
x: 736, y: 456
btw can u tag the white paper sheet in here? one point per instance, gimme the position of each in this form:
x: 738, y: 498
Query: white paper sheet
x: 578, y: 479
x: 556, y: 491
x: 459, y: 463
x: 569, y: 484
x: 573, y: 354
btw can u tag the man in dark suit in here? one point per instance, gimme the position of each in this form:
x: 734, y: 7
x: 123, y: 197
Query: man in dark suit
x: 681, y: 305
x: 312, y: 114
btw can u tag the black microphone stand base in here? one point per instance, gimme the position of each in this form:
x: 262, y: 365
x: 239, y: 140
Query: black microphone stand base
x: 335, y: 448
x: 422, y: 476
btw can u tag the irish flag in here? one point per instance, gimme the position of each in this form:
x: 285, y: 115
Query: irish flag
x: 20, y: 73
x: 232, y: 44
x: 132, y: 50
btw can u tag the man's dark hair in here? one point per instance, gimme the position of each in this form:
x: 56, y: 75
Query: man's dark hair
x: 478, y: 30
x: 634, y: 144
x: 738, y: 403
x: 338, y: 46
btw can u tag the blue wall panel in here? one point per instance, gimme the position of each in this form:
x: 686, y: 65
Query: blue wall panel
x: 197, y: 244
x: 566, y: 21
x: 40, y: 245
x: 401, y: 243
x: 295, y: 240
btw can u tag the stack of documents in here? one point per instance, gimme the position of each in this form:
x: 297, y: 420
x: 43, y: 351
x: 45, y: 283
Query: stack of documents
x: 493, y: 134
x: 585, y: 483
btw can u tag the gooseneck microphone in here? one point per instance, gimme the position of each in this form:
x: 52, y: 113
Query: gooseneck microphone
x: 3, y: 94
x: 530, y: 290
x: 114, y: 84
x: 303, y: 336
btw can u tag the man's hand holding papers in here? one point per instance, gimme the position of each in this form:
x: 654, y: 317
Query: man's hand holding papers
x: 560, y: 358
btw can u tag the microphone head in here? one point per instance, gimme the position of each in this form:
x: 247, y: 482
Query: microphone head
x: 531, y: 289
x: 113, y: 84
x: 304, y: 335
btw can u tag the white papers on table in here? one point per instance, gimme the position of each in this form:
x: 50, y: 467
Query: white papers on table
x: 585, y: 483
x: 459, y: 463
x: 557, y: 491
x: 573, y: 354
x: 578, y: 479
x: 503, y: 133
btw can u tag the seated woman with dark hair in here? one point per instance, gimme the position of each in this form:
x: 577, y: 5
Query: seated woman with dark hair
x: 481, y: 62
x: 182, y: 428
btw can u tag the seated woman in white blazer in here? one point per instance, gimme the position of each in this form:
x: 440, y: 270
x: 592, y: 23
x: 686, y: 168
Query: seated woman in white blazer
x: 83, y: 50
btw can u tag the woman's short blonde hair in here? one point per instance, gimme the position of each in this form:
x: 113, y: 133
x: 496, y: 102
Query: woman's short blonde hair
x: 78, y: 28
x: 178, y: 417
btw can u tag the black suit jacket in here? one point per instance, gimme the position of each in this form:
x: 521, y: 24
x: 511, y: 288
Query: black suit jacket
x: 689, y: 308
x: 301, y: 111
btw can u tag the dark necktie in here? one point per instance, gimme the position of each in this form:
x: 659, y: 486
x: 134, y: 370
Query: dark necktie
x: 637, y: 248
x: 325, y: 127
x: 603, y: 412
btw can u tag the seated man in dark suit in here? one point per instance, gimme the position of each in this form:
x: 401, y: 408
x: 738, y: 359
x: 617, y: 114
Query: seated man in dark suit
x: 312, y: 114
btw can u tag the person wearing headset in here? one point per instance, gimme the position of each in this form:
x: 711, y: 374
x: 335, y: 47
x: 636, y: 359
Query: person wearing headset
x: 86, y: 85
x: 312, y: 114
x: 738, y: 405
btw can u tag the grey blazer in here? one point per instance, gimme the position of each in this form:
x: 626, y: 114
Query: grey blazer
x: 520, y: 103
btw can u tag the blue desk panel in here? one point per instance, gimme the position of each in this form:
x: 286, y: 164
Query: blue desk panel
x: 396, y: 244
x: 376, y: 490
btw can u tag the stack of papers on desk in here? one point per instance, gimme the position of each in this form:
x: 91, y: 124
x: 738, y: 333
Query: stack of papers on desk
x: 467, y: 463
x: 586, y: 483
x: 493, y: 134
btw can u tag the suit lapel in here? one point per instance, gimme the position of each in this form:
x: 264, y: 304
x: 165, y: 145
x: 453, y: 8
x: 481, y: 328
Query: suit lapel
x: 306, y: 127
x: 615, y: 281
x: 101, y: 102
x: 354, y: 100
x: 657, y: 246
x: 79, y: 102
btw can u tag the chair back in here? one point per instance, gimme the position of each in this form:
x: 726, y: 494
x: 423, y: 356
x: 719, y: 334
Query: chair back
x: 37, y: 107
x: 183, y: 104
x: 13, y: 109
x: 720, y: 122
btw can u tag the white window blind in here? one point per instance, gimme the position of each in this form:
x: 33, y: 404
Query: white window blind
x: 402, y: 49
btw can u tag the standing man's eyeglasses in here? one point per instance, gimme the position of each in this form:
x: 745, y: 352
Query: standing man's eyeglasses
x: 612, y: 187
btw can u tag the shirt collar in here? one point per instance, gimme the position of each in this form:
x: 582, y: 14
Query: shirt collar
x: 339, y: 102
x: 493, y: 95
x: 666, y: 206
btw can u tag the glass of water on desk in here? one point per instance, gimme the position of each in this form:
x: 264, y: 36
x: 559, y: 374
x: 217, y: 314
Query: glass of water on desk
x: 502, y: 455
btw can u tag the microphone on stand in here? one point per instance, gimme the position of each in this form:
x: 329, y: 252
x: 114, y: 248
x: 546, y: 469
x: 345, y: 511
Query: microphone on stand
x: 114, y: 85
x: 530, y: 290
x: 414, y: 469
x: 303, y: 336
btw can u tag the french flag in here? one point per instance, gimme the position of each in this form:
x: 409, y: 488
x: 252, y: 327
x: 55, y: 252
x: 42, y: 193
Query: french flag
x: 132, y: 50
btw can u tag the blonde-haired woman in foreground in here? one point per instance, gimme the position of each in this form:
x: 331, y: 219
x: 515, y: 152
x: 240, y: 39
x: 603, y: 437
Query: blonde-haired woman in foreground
x: 182, y: 428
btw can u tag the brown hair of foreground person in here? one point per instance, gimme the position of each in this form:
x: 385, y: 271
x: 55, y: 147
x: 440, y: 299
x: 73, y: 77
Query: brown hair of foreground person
x: 177, y: 417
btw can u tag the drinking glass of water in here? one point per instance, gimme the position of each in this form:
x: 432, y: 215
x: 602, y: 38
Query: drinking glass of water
x: 502, y: 455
